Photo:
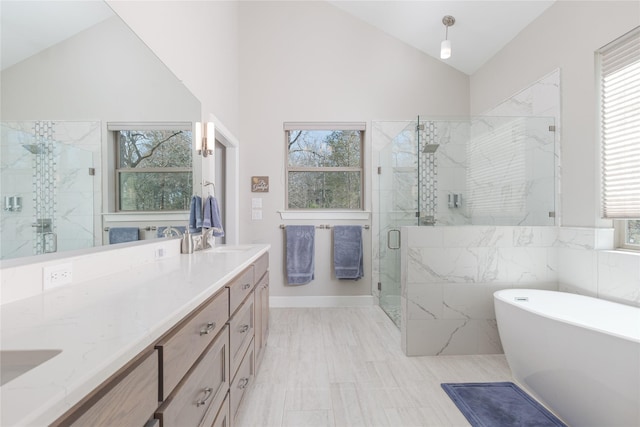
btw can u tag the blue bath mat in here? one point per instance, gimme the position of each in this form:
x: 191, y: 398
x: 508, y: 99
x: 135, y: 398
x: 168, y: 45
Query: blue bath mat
x: 499, y: 405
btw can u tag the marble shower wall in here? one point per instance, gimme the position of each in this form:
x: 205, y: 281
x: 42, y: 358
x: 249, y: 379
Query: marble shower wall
x: 72, y: 195
x: 449, y: 275
x: 588, y: 265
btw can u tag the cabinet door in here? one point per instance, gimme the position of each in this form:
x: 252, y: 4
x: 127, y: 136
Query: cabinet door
x: 239, y: 385
x: 223, y: 418
x: 129, y: 399
x: 261, y: 265
x: 203, y: 389
x: 261, y: 316
x: 241, y: 330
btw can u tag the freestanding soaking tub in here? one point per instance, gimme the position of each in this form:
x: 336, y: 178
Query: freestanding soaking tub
x: 580, y: 356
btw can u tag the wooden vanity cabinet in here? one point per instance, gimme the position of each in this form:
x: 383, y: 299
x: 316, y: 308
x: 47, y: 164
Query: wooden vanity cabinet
x: 243, y: 378
x: 223, y: 417
x: 195, y: 375
x: 241, y: 333
x: 128, y: 398
x: 261, y: 309
x: 240, y: 287
x: 203, y: 388
x: 180, y: 348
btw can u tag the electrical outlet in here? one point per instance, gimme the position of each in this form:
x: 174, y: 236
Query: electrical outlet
x: 57, y: 275
x: 159, y: 253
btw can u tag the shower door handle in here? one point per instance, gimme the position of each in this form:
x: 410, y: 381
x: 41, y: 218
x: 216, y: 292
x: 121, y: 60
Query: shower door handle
x: 389, y: 239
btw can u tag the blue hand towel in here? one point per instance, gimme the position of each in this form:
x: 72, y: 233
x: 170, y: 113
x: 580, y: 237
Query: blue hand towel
x: 347, y: 252
x: 212, y: 217
x: 123, y: 234
x: 300, y: 253
x: 195, y: 214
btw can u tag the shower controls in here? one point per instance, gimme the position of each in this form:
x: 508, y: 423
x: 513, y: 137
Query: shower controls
x: 454, y: 200
x: 13, y: 203
x: 43, y: 225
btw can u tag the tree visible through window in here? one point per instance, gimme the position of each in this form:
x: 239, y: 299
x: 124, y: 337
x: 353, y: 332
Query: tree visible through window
x: 154, y: 170
x: 324, y: 168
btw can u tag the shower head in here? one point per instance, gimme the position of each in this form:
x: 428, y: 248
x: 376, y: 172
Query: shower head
x: 34, y: 148
x: 430, y: 148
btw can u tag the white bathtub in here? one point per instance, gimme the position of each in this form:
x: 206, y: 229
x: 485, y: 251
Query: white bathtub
x: 579, y: 356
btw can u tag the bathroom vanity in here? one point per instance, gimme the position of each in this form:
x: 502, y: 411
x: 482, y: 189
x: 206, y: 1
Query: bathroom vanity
x: 171, y: 343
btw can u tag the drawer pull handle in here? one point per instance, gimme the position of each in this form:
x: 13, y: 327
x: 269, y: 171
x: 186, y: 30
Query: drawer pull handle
x: 246, y: 286
x: 243, y: 383
x: 207, y: 330
x: 207, y: 394
x: 244, y: 328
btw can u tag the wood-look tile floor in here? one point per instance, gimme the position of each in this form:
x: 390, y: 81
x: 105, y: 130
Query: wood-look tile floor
x: 344, y: 367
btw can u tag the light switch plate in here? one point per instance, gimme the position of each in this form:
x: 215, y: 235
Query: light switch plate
x: 256, y: 202
x: 256, y: 214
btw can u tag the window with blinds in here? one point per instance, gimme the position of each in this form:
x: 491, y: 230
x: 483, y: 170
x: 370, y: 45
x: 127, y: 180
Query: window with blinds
x: 619, y: 64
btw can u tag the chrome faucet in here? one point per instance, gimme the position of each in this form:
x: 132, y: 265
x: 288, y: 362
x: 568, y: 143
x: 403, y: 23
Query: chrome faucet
x: 171, y: 231
x: 206, y: 234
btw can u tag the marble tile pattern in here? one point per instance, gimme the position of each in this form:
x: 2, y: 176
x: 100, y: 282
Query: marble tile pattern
x: 449, y: 275
x: 60, y: 188
x: 340, y: 367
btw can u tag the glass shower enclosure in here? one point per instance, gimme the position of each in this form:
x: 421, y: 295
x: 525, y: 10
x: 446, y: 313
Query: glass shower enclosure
x: 469, y: 171
x: 46, y: 187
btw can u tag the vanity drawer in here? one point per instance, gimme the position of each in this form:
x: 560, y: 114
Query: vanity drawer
x: 241, y: 328
x: 222, y: 418
x: 204, y: 388
x: 185, y: 343
x: 239, y: 288
x: 130, y: 398
x: 261, y: 266
x: 241, y: 382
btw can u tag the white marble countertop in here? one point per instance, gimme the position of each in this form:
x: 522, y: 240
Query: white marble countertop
x: 102, y: 324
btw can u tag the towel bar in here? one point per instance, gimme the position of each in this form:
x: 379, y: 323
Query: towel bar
x: 325, y: 226
x: 147, y: 228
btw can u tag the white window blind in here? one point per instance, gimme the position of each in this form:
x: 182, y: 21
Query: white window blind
x: 620, y: 127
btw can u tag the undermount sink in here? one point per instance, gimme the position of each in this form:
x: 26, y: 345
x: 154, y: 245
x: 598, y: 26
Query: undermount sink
x: 224, y: 249
x: 14, y: 363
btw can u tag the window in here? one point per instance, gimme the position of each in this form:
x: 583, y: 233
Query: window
x: 619, y: 68
x: 153, y: 167
x: 324, y: 165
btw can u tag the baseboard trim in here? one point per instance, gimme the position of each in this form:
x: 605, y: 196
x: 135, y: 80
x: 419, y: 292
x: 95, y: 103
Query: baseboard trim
x: 322, y: 301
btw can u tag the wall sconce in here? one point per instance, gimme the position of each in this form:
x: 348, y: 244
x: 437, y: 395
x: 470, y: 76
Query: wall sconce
x: 445, y: 46
x: 202, y: 142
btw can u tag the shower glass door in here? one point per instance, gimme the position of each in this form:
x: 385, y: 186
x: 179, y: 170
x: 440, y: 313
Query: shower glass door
x: 46, y: 188
x: 398, y: 184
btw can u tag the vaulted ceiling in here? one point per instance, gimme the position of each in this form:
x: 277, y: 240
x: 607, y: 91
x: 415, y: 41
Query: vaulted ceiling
x: 481, y: 28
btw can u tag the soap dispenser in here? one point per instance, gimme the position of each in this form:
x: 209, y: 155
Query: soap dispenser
x: 186, y: 245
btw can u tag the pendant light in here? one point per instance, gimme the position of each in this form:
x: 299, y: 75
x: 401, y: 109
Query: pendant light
x: 445, y: 46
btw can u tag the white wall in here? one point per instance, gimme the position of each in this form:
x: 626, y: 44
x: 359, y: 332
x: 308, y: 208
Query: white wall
x: 566, y: 37
x: 309, y: 61
x: 198, y: 41
x: 104, y: 73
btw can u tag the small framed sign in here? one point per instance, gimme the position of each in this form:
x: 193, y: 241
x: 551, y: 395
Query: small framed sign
x: 259, y: 184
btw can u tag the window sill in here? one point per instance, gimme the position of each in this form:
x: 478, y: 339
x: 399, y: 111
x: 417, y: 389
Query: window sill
x: 145, y: 216
x: 325, y: 215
